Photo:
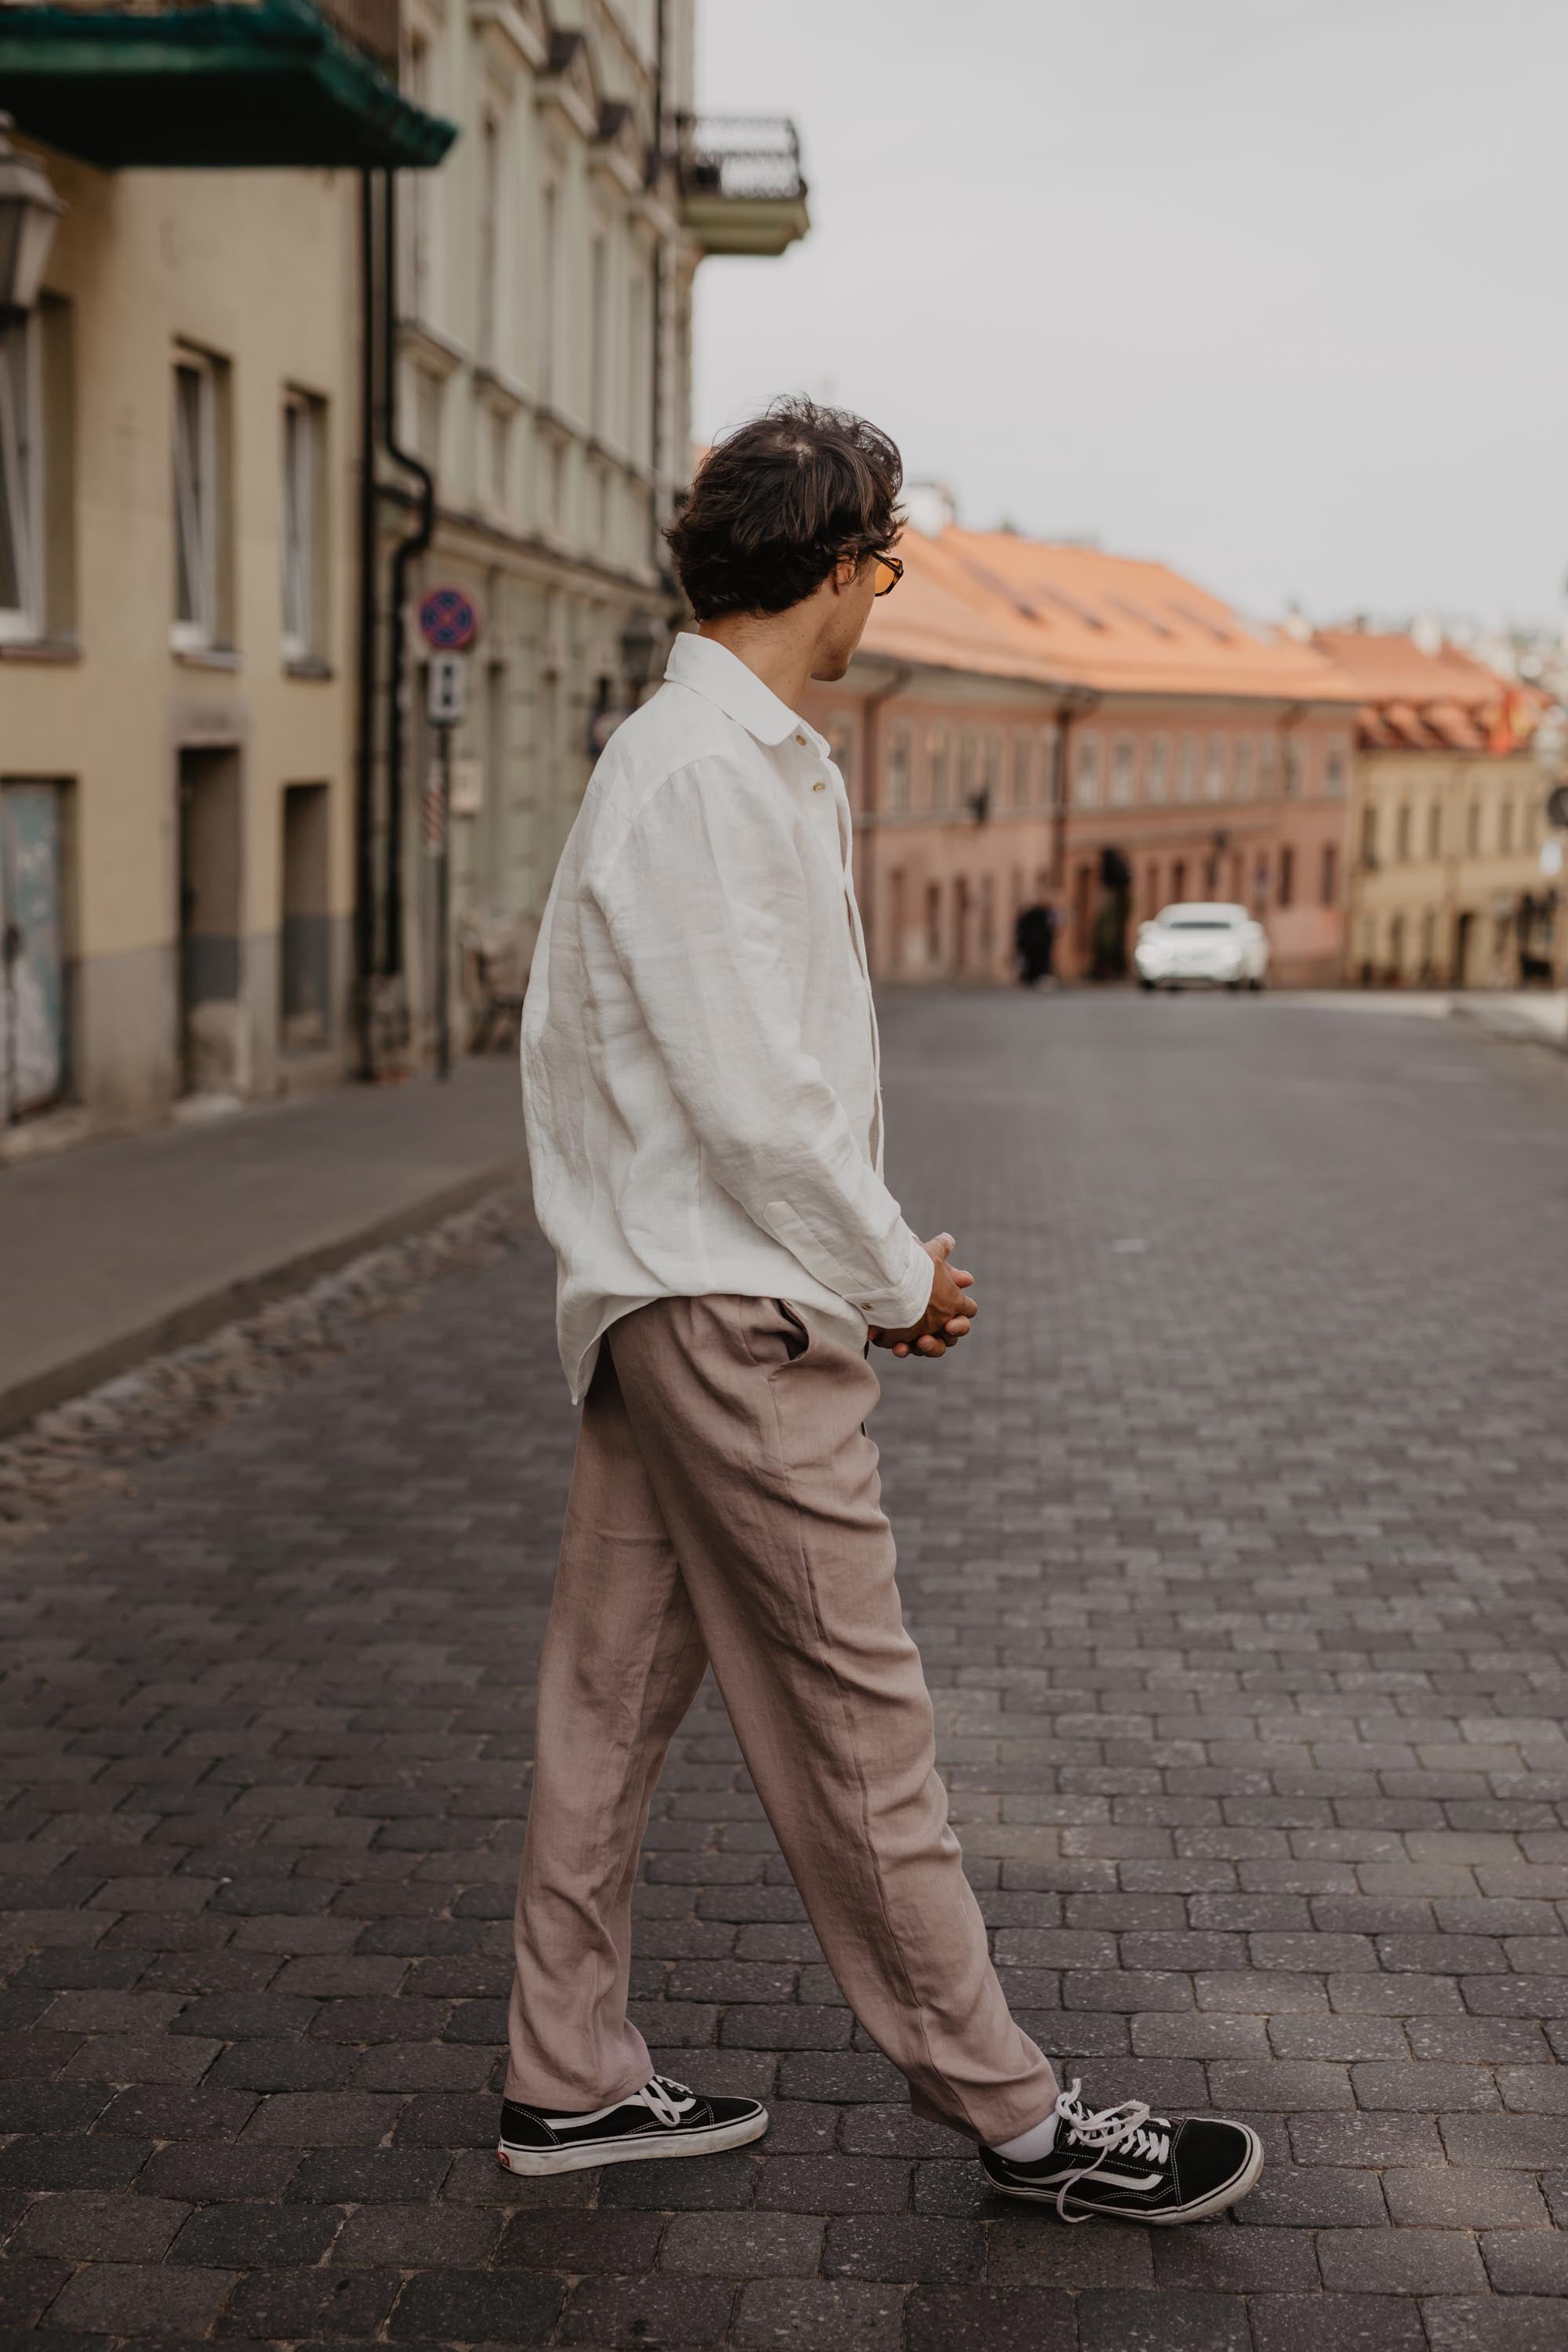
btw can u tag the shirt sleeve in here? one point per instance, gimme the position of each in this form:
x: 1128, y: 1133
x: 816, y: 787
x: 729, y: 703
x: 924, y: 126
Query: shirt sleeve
x: 703, y: 903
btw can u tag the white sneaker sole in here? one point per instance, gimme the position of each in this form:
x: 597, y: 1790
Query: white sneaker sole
x: 1199, y: 2210
x: 589, y: 2154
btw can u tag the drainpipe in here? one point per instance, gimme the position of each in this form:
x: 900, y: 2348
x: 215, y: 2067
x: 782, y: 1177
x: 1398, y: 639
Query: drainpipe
x: 364, y: 747
x: 656, y: 295
x: 859, y: 848
x: 1074, y: 705
x: 405, y: 555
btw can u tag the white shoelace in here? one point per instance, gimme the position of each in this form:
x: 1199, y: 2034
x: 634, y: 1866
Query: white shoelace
x: 670, y: 2100
x: 1129, y: 2130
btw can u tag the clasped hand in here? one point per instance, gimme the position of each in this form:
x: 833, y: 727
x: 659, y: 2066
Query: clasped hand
x: 949, y: 1312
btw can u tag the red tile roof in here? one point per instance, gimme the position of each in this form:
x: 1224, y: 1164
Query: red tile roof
x: 1016, y: 607
x: 1414, y: 700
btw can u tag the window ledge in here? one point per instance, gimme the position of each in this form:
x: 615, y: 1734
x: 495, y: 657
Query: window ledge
x: 309, y: 666
x: 39, y: 649
x: 207, y: 657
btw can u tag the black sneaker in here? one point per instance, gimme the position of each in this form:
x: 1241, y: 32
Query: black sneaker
x: 664, y: 2118
x: 1134, y: 2166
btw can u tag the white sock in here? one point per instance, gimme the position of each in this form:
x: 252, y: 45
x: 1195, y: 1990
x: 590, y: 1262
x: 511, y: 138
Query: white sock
x: 1030, y: 2146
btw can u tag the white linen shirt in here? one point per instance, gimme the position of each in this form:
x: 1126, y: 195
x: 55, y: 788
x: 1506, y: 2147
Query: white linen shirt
x: 701, y: 1073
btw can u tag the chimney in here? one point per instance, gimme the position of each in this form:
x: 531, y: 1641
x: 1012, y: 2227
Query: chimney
x: 931, y: 508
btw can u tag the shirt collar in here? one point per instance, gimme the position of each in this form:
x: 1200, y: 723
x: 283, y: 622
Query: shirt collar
x: 720, y: 676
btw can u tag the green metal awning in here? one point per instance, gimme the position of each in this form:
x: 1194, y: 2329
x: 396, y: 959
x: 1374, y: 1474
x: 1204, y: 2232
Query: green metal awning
x: 236, y: 86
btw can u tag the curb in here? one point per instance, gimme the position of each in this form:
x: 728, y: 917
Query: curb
x: 227, y: 1302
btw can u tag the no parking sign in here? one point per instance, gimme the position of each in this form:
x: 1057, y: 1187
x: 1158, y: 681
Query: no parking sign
x: 448, y: 620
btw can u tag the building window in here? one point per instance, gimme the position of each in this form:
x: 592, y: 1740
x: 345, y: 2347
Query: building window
x: 499, y: 435
x: 1022, y: 750
x: 1473, y: 827
x: 1154, y: 756
x: 1287, y: 891
x: 1178, y: 881
x: 1123, y: 769
x: 548, y: 287
x: 1369, y: 834
x: 598, y: 329
x: 429, y: 399
x: 1243, y: 767
x: 938, y: 779
x: 1334, y: 773
x: 968, y: 753
x: 1505, y: 828
x: 899, y: 772
x: 1214, y: 783
x: 1428, y: 943
x: 1268, y: 767
x: 1188, y: 768
x: 991, y: 782
x: 197, y: 505
x: 1152, y: 889
x: 1085, y: 772
x: 419, y: 271
x: 987, y: 919
x: 934, y: 923
x: 487, y: 338
x: 1329, y: 875
x: 1051, y: 779
x: 1434, y: 828
x: 1293, y: 766
x: 21, y: 478
x: 1402, y: 835
x: 304, y: 472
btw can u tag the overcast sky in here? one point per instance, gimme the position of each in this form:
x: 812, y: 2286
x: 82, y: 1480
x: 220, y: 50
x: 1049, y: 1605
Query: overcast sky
x: 1275, y: 289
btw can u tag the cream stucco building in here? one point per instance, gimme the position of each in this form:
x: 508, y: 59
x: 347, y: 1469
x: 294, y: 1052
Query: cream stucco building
x: 1446, y: 822
x: 347, y: 298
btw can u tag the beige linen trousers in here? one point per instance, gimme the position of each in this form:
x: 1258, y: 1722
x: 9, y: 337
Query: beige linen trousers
x: 725, y: 1509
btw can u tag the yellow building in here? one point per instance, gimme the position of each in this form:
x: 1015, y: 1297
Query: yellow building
x: 281, y: 375
x: 1445, y: 820
x: 179, y: 404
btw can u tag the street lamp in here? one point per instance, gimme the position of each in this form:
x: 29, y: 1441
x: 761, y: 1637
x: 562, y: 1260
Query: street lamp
x: 639, y: 643
x: 29, y: 210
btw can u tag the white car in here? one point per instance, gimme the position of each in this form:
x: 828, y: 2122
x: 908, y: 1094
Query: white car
x: 1200, y: 945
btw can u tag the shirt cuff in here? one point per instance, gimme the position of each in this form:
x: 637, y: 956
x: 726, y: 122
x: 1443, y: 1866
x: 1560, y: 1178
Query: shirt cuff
x: 895, y: 1309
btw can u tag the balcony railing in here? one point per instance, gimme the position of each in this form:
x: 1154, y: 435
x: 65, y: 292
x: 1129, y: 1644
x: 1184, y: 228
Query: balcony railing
x: 741, y: 185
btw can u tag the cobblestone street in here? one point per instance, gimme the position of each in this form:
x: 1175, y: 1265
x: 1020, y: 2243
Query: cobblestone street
x: 1235, y: 1540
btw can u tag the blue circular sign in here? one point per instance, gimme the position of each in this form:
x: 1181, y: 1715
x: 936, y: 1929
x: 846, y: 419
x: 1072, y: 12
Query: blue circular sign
x: 448, y: 620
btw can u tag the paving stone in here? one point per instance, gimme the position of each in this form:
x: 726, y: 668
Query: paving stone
x: 900, y: 2248
x: 1495, y: 2323
x: 1400, y: 2261
x: 131, y: 2299
x: 803, y: 2315
x: 91, y: 2228
x: 1452, y: 2200
x: 1163, y: 2321
x: 986, y: 2319
x: 684, y: 2314
x: 744, y: 2245
x: 1348, y: 2323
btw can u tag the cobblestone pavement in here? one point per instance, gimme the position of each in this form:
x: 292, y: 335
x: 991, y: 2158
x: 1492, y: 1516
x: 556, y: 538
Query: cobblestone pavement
x: 1236, y: 1541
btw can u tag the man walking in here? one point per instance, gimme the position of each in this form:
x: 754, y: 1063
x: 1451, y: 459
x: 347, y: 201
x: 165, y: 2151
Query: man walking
x: 701, y: 1080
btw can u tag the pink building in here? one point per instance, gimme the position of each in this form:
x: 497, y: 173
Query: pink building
x: 1027, y: 720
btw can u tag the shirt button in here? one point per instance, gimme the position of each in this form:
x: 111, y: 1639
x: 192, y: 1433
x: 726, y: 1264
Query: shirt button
x: 819, y: 786
x: 800, y: 740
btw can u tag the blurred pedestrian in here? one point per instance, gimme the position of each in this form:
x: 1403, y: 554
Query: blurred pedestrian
x: 1034, y: 942
x: 705, y: 1129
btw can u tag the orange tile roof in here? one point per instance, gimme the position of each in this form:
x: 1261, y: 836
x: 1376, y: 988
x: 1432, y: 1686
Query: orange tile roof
x: 1016, y: 607
x: 1414, y: 700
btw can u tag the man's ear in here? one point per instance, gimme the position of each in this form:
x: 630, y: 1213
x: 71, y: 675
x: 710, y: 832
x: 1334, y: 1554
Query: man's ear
x: 845, y: 572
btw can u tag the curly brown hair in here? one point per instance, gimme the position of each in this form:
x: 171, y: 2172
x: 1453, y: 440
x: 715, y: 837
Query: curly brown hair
x: 777, y: 502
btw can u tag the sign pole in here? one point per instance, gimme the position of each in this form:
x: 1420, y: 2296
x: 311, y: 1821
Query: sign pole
x: 444, y: 916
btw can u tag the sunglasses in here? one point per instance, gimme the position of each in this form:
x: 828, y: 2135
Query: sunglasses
x: 890, y: 572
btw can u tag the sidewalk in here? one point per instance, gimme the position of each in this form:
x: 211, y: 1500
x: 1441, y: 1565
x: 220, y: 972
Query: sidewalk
x: 114, y: 1251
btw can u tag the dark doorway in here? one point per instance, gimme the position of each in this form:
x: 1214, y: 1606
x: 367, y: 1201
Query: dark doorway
x: 1110, y: 919
x: 209, y: 901
x: 305, y: 943
x: 1464, y: 943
